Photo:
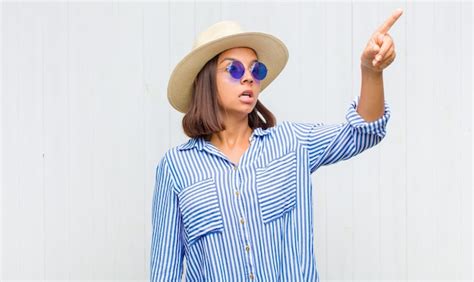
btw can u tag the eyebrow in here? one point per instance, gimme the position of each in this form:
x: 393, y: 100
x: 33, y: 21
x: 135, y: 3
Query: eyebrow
x: 233, y: 59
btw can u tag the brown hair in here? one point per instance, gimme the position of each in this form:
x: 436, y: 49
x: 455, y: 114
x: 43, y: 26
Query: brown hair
x: 203, y: 117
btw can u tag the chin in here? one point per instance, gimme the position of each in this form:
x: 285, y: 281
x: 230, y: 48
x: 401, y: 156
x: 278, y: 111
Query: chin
x: 249, y: 109
x: 244, y: 109
x: 240, y: 111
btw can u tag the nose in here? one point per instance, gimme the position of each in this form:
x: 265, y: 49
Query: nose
x: 247, y: 77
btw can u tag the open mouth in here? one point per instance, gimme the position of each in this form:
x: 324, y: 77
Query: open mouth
x: 246, y: 97
x: 247, y: 93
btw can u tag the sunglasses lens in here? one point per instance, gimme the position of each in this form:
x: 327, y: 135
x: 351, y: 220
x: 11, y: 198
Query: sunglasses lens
x: 259, y: 71
x: 236, y: 69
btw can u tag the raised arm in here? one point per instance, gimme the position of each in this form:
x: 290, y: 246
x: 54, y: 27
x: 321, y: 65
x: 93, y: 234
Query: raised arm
x: 377, y: 55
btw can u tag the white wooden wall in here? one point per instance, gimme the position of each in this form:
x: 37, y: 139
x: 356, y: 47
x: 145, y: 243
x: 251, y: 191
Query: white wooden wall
x: 85, y: 120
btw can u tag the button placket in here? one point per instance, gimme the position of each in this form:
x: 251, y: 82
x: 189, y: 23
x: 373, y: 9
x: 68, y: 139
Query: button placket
x: 242, y: 219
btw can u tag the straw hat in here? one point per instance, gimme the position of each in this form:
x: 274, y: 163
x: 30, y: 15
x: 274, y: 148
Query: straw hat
x: 214, y: 40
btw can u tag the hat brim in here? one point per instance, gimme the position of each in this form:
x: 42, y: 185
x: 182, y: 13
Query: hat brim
x: 270, y: 50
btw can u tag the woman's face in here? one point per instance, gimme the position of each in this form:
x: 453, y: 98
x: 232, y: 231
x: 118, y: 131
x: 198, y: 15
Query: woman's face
x: 230, y: 89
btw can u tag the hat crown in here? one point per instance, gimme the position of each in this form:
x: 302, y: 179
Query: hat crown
x: 216, y: 31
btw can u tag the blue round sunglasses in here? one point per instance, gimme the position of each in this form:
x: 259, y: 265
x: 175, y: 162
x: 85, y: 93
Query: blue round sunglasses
x: 236, y: 69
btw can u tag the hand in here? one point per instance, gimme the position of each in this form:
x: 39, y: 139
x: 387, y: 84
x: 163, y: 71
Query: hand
x: 380, y: 50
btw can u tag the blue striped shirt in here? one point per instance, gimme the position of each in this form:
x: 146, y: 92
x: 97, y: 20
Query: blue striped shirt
x: 250, y: 221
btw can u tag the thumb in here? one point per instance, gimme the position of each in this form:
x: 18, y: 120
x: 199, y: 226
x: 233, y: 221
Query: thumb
x: 379, y: 38
x: 375, y: 48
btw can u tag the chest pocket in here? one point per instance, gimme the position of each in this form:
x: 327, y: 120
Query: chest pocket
x: 200, y: 209
x: 276, y: 187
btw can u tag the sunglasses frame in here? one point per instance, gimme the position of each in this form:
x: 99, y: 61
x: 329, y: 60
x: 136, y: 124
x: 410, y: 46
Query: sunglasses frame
x: 240, y: 69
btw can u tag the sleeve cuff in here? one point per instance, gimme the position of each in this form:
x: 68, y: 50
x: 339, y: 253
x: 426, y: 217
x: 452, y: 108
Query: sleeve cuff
x: 359, y: 124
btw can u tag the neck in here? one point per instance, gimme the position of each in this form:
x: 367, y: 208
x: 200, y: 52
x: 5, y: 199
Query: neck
x: 236, y: 134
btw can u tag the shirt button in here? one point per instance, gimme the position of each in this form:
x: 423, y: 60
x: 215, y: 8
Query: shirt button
x: 242, y: 220
x: 237, y: 193
x: 235, y: 167
x: 251, y: 276
x: 247, y: 248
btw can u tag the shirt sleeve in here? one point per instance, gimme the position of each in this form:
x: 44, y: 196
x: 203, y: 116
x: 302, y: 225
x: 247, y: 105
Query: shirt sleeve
x: 167, y: 250
x: 328, y: 144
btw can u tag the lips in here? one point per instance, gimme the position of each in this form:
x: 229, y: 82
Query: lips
x: 246, y: 97
x: 247, y: 93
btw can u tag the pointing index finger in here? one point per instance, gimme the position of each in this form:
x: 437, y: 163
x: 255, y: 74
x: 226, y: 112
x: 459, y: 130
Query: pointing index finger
x: 390, y: 21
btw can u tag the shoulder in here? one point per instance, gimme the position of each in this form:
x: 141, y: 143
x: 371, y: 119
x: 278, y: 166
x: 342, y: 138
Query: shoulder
x: 174, y: 161
x: 284, y: 129
x: 279, y: 128
x: 172, y: 153
x: 181, y: 154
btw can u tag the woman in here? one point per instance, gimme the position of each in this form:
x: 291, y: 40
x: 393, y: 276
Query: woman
x: 235, y: 200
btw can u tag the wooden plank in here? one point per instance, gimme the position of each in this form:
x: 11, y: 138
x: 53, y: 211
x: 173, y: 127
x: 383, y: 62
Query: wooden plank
x: 422, y: 198
x: 446, y: 93
x: 30, y: 114
x: 12, y: 60
x: 92, y: 168
x: 56, y: 141
x: 464, y: 152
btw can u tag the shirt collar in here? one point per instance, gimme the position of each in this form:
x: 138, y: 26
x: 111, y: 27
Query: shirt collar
x: 200, y: 143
